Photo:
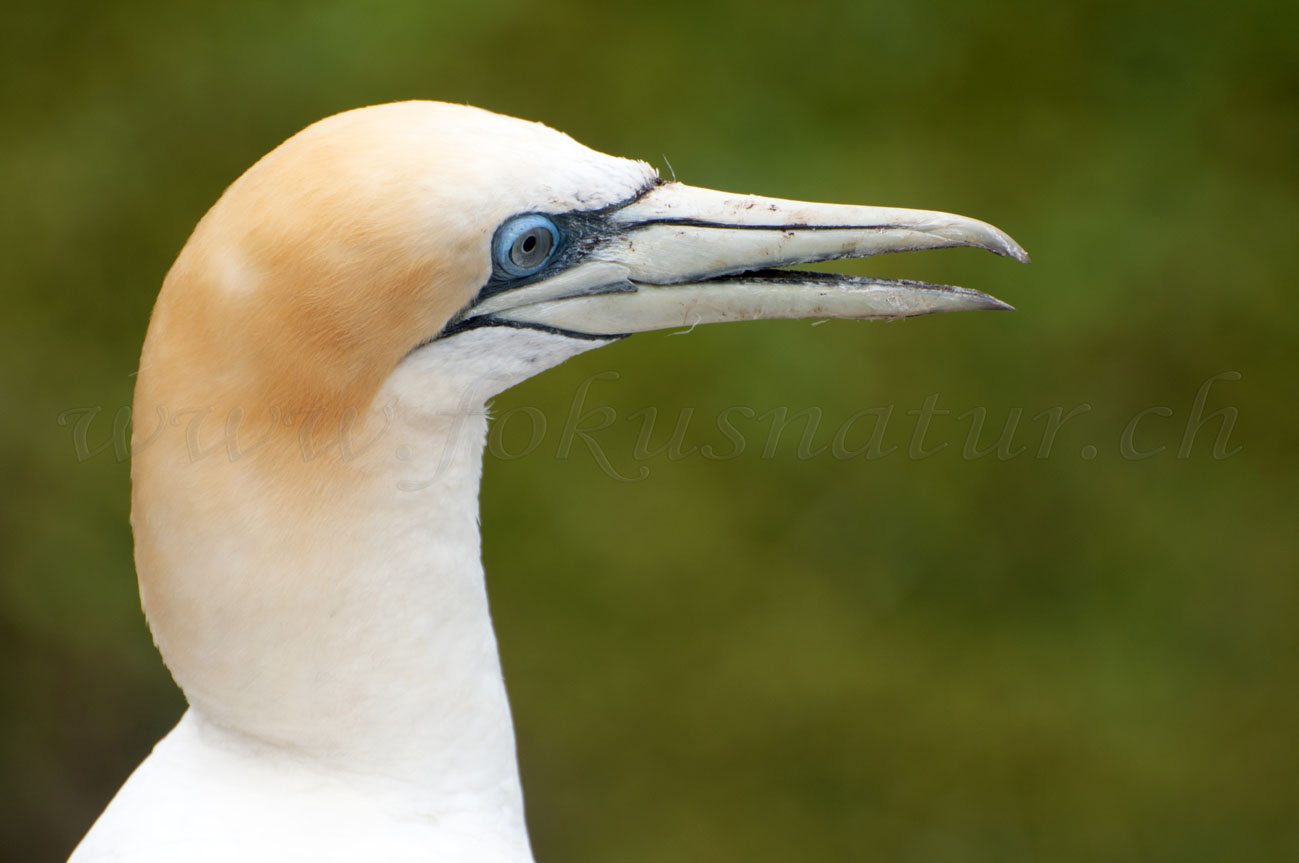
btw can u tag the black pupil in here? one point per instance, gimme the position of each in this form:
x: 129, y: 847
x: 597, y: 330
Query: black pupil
x: 532, y: 248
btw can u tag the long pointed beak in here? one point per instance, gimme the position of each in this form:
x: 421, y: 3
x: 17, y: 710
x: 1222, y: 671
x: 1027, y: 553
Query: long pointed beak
x: 680, y: 256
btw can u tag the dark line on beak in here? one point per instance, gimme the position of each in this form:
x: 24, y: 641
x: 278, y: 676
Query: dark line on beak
x: 493, y: 321
x: 703, y: 223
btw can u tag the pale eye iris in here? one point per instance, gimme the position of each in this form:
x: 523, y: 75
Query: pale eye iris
x: 524, y: 245
x: 532, y: 249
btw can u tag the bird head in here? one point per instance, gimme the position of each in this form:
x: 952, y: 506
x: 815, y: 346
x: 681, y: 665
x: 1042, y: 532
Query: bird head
x: 385, y: 231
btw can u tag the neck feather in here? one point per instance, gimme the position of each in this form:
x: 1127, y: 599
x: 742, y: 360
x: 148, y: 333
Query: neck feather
x: 347, y: 621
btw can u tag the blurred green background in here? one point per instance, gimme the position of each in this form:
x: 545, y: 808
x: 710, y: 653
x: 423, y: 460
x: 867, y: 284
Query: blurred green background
x: 1083, y: 651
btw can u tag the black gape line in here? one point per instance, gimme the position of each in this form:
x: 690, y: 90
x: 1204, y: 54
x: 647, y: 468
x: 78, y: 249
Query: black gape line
x: 482, y: 321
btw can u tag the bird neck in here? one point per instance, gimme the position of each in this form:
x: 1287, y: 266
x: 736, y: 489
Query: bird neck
x: 369, y: 646
x: 346, y: 622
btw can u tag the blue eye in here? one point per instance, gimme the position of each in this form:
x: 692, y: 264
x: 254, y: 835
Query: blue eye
x: 523, y: 245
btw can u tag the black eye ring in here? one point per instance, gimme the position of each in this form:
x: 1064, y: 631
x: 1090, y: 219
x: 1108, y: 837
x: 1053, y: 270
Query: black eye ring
x: 524, y: 245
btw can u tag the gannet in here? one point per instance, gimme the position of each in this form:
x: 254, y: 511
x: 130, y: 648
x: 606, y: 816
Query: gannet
x: 309, y: 422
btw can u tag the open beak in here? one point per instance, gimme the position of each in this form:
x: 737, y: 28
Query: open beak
x: 679, y: 256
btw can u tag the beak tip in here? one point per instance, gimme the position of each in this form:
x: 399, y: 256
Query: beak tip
x: 988, y: 303
x: 1012, y: 249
